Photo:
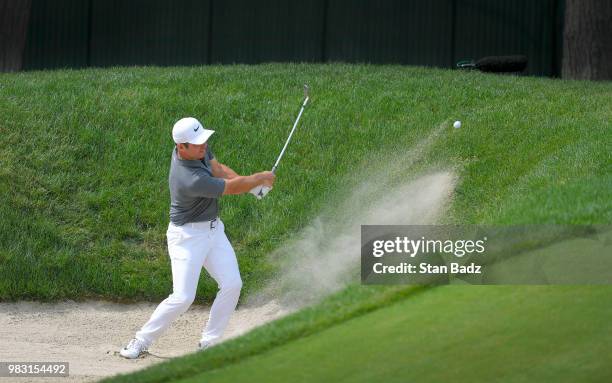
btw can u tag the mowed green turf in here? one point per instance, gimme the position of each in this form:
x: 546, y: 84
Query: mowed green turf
x: 452, y: 334
x: 84, y: 159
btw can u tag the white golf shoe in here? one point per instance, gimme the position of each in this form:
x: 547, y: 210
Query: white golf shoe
x: 134, y: 349
x: 203, y: 346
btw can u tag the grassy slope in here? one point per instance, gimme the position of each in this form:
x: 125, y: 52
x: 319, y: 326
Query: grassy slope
x: 452, y: 333
x: 84, y: 160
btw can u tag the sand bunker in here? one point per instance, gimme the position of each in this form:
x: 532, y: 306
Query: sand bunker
x: 89, y: 335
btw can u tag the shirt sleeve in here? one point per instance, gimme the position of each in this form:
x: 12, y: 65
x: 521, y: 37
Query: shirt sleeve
x: 205, y: 185
x: 209, y: 154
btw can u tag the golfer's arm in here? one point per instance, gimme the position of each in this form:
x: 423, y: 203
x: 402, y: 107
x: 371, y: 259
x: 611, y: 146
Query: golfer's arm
x: 241, y: 184
x: 229, y: 172
x: 222, y: 171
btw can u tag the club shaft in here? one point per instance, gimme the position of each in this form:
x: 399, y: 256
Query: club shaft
x: 290, y: 134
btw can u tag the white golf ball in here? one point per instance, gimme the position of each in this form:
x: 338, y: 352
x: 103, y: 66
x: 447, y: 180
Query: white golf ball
x: 457, y: 124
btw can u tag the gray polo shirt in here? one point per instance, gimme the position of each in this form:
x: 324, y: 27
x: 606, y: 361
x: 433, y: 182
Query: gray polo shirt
x: 194, y: 192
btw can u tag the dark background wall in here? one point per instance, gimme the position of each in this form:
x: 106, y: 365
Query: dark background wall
x: 82, y: 33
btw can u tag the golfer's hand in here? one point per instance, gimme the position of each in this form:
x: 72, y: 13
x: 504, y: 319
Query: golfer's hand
x: 260, y: 191
x: 267, y: 179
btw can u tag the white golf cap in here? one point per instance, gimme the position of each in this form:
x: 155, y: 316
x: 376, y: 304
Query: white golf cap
x: 189, y: 130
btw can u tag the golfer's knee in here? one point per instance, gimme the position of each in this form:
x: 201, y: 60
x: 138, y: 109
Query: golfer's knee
x: 232, y: 286
x: 182, y: 301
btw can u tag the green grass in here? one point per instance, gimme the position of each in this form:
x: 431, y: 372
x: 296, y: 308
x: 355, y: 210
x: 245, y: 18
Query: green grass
x: 84, y: 157
x: 451, y: 333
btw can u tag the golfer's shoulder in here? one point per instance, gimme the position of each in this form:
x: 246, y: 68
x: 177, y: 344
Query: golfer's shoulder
x: 185, y: 176
x: 189, y: 179
x: 202, y: 178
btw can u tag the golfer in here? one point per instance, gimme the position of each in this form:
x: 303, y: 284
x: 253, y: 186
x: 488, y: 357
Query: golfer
x: 196, y: 236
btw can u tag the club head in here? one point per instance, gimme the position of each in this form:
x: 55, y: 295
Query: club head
x: 306, y: 90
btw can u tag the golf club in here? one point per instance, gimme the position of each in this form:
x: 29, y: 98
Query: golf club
x: 260, y: 191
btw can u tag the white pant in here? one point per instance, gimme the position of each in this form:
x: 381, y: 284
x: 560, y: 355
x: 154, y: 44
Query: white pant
x: 192, y: 246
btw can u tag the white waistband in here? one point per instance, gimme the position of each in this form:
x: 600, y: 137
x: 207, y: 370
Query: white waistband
x: 200, y: 225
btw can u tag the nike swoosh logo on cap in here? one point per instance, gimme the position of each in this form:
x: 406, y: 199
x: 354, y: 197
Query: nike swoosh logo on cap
x: 196, y: 129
